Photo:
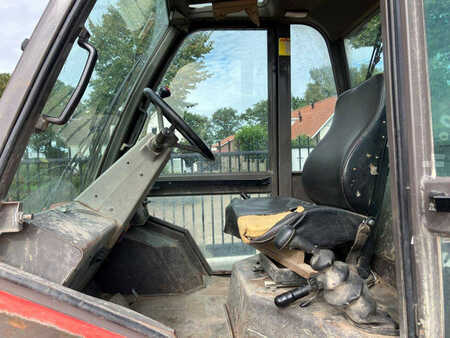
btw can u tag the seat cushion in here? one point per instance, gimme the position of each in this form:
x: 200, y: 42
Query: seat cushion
x: 253, y: 218
x: 258, y: 220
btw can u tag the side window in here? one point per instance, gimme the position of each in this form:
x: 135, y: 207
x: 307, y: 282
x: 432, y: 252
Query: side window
x: 313, y: 92
x: 361, y: 47
x: 219, y: 84
x: 438, y: 47
x: 60, y: 162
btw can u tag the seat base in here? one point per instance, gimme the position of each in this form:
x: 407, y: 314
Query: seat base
x: 254, y: 314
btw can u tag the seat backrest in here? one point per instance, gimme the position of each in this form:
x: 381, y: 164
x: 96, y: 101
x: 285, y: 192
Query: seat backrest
x: 343, y: 168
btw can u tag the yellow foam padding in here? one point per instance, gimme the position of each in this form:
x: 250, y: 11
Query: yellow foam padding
x: 251, y: 226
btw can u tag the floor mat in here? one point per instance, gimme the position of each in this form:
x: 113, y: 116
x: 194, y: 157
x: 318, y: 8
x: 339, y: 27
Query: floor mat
x: 198, y: 314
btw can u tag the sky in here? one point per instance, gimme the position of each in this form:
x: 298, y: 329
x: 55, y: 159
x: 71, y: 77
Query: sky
x: 18, y: 19
x: 237, y: 63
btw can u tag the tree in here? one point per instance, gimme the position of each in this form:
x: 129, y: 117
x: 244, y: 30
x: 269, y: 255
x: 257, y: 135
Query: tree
x: 4, y: 78
x: 358, y: 76
x: 257, y: 115
x: 367, y: 36
x: 58, y: 99
x: 297, y: 102
x: 124, y: 48
x: 437, y: 28
x: 187, y: 69
x: 201, y: 126
x: 252, y: 138
x: 303, y: 141
x: 322, y: 85
x: 225, y: 122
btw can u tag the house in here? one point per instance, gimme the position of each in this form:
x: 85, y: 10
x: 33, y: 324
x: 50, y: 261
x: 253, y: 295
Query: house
x: 225, y: 146
x: 313, y: 120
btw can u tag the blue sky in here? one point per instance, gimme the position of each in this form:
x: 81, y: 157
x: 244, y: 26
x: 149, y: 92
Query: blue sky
x: 238, y: 61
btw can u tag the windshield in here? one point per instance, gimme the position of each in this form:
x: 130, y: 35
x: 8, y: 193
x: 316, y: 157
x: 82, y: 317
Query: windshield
x: 62, y: 161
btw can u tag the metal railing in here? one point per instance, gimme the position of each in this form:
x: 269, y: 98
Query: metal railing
x: 41, y: 181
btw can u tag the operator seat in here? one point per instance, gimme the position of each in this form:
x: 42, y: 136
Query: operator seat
x: 343, y: 175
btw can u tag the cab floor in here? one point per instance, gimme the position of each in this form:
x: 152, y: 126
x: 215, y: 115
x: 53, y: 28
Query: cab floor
x: 198, y: 314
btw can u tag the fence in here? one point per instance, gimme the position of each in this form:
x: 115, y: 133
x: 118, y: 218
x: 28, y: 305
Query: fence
x: 40, y: 182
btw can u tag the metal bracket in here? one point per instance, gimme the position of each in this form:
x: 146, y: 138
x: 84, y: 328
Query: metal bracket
x: 439, y: 202
x: 12, y: 217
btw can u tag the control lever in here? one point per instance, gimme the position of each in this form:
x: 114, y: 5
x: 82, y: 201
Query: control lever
x: 289, y: 297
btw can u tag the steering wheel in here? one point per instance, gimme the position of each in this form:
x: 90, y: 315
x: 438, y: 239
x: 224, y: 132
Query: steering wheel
x: 179, y: 124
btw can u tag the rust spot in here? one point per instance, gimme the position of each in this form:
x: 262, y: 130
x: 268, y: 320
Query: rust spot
x: 17, y: 323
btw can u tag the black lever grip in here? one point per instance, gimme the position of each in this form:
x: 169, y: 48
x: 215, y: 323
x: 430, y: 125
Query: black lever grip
x: 289, y: 297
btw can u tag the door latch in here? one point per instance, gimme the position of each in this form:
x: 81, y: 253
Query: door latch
x: 439, y: 202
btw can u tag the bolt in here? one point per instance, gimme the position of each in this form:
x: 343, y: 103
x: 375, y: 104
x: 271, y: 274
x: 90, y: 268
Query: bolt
x: 24, y: 218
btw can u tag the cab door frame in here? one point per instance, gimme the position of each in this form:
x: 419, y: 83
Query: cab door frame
x: 416, y: 226
x: 34, y: 77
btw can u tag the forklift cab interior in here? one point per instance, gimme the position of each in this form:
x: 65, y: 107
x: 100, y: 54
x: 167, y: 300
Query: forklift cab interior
x: 283, y: 145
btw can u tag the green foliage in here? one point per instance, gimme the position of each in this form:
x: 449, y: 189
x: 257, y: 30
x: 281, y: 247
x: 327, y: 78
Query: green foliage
x: 367, y: 35
x: 192, y: 51
x: 251, y: 138
x: 49, y: 144
x: 322, y: 85
x: 258, y: 114
x: 298, y: 102
x: 303, y: 141
x: 119, y: 50
x: 225, y: 122
x: 187, y: 70
x: 437, y: 28
x: 58, y: 99
x: 201, y: 126
x: 4, y: 78
x: 358, y: 76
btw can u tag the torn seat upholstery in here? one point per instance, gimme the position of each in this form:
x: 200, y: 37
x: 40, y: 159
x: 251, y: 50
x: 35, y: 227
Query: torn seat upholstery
x: 343, y: 176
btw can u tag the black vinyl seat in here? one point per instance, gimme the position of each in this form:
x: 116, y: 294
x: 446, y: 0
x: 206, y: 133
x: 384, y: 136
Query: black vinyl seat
x: 342, y: 175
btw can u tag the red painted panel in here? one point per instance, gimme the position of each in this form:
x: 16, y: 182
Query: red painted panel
x: 38, y: 313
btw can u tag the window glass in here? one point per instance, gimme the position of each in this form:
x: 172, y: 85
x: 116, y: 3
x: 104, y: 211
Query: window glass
x: 218, y: 84
x: 313, y: 92
x: 63, y: 160
x: 360, y: 50
x: 438, y: 46
x: 204, y: 217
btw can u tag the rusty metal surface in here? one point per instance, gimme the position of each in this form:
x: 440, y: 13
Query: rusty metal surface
x: 59, y: 244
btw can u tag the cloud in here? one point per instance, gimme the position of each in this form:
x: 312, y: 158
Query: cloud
x: 18, y: 20
x: 238, y: 68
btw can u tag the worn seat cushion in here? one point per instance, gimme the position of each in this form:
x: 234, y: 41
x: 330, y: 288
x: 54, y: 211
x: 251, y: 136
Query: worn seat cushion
x: 255, y: 219
x: 258, y: 220
x: 255, y: 226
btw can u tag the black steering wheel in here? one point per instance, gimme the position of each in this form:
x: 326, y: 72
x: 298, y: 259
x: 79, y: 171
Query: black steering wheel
x: 179, y: 124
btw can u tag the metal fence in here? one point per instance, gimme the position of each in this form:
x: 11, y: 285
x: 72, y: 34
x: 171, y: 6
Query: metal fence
x: 40, y: 182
